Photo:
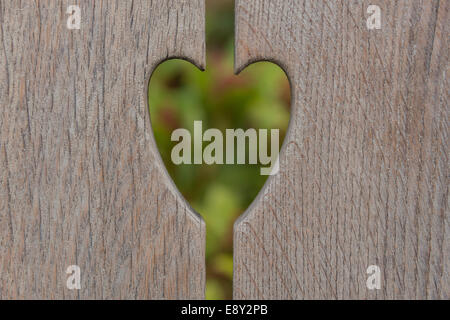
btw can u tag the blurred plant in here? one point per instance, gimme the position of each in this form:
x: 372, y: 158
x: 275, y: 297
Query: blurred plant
x: 258, y: 98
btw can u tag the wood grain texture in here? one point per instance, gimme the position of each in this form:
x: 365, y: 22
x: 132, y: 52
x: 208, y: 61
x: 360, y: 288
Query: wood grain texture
x: 364, y: 168
x: 81, y: 180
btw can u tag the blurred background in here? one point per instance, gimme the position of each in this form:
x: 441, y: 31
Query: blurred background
x: 180, y: 94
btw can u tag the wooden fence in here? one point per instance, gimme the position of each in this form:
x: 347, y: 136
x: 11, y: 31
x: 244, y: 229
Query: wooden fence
x: 363, y: 179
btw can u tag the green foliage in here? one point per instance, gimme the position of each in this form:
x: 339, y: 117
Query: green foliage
x: 180, y: 94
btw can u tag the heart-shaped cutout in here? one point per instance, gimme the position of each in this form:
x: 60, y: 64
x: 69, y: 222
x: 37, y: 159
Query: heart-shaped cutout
x: 185, y: 104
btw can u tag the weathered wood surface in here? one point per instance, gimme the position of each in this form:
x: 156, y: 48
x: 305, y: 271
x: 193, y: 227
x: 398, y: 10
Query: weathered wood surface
x: 81, y: 180
x: 363, y: 175
x: 364, y: 169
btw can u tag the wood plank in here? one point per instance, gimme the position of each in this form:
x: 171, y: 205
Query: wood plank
x: 364, y: 168
x: 81, y: 180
